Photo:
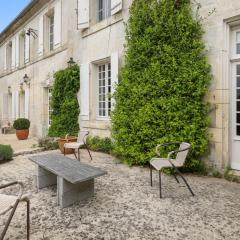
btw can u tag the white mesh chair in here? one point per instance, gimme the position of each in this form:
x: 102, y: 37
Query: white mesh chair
x: 81, y: 141
x: 10, y: 203
x: 159, y: 163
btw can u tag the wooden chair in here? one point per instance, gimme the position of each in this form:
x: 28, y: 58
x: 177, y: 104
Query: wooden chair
x: 81, y: 141
x: 10, y: 203
x: 160, y: 163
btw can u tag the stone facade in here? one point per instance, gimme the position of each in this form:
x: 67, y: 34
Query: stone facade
x: 94, y: 37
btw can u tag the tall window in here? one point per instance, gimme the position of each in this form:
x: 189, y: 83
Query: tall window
x: 49, y: 106
x: 9, y: 55
x: 237, y: 42
x: 51, y: 32
x: 104, y: 9
x: 104, y: 90
x: 22, y: 45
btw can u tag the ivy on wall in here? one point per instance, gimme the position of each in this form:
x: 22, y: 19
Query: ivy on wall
x: 64, y: 103
x: 166, y: 75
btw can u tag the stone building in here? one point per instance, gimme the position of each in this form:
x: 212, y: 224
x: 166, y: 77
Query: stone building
x: 47, y: 33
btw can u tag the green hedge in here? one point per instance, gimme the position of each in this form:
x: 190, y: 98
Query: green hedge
x: 21, y: 123
x: 100, y: 144
x: 65, y: 103
x: 6, y: 152
x: 48, y: 143
x: 166, y: 75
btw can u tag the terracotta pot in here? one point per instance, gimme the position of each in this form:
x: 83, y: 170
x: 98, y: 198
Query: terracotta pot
x: 22, y: 134
x: 61, y: 141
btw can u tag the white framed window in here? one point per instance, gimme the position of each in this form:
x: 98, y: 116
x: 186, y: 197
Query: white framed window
x: 9, y: 55
x: 49, y: 106
x: 238, y: 42
x: 237, y: 99
x: 104, y: 90
x: 104, y: 9
x: 51, y: 32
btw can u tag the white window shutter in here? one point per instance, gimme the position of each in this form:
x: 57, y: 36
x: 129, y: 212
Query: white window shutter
x: 116, y: 6
x: 13, y: 105
x: 5, y: 106
x: 17, y: 51
x: 27, y: 48
x: 26, y: 102
x: 84, y: 91
x: 16, y: 104
x: 40, y: 36
x: 114, y: 73
x: 5, y: 58
x: 57, y: 24
x: 83, y: 14
x: 13, y: 53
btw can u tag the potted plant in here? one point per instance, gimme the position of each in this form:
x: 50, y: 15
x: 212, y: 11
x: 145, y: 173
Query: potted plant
x: 62, y: 140
x: 22, y: 128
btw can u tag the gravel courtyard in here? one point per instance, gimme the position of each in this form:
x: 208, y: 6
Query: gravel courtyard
x: 126, y: 207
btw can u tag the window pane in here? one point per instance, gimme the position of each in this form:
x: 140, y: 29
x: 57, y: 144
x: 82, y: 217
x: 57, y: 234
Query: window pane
x: 238, y: 70
x: 51, y: 32
x: 238, y: 130
x: 238, y: 81
x: 238, y: 48
x: 108, y: 8
x: 238, y: 93
x: 100, y: 15
x: 104, y: 90
x: 238, y: 37
x: 238, y: 106
x: 238, y: 117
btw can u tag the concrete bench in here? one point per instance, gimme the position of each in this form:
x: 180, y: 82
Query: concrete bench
x: 75, y: 180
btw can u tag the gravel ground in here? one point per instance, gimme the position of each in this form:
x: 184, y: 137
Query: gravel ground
x: 126, y: 207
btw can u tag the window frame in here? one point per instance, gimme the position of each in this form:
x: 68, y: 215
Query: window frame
x: 50, y: 110
x: 8, y: 56
x: 106, y: 85
x: 51, y: 25
x: 105, y: 10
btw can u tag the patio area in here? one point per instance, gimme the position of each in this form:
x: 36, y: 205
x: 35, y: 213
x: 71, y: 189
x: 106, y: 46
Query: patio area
x: 18, y: 146
x: 126, y: 207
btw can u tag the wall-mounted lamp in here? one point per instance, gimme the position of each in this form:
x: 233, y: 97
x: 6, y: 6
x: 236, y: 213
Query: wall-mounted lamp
x: 71, y: 62
x: 26, y: 79
x: 9, y: 89
x: 32, y: 32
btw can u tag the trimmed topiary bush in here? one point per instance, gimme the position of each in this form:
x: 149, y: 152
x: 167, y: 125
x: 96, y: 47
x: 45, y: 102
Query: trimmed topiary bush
x: 100, y: 144
x: 166, y: 75
x: 64, y: 103
x: 6, y: 152
x: 21, y: 123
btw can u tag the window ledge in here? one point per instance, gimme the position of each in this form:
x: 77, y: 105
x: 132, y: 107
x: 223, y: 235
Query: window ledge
x: 103, y: 118
x: 102, y: 25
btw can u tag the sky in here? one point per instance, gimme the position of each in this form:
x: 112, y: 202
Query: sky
x: 9, y: 9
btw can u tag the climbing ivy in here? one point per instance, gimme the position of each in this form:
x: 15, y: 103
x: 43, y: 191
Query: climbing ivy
x: 166, y: 75
x: 64, y: 103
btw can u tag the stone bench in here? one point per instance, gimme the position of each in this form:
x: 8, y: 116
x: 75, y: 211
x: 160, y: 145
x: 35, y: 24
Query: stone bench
x: 75, y: 180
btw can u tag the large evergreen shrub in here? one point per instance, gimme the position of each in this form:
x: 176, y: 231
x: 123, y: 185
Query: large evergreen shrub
x: 162, y: 85
x: 65, y: 103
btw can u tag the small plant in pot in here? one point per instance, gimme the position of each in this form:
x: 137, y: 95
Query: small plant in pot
x: 22, y: 128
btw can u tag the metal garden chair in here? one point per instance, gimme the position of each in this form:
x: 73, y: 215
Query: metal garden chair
x: 159, y: 163
x: 10, y: 203
x: 81, y: 141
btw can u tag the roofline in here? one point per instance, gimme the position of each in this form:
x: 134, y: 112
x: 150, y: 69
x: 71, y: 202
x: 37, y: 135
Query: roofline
x: 21, y: 18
